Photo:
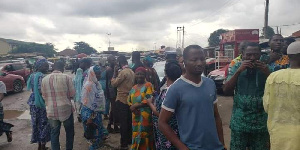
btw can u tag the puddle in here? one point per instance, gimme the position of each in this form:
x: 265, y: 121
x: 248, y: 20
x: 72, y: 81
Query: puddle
x: 12, y: 114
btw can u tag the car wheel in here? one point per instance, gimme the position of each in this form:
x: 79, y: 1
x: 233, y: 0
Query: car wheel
x: 18, y: 86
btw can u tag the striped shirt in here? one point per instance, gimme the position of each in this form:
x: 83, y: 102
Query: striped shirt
x: 58, y: 90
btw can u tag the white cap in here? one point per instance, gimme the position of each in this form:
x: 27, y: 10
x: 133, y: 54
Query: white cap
x: 294, y: 48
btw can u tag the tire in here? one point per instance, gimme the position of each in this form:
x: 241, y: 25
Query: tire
x: 18, y: 86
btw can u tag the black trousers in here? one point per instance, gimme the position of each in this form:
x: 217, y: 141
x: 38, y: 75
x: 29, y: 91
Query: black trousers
x: 113, y: 118
x: 125, y: 120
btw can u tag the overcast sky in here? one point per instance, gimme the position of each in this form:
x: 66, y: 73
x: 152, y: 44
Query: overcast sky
x: 137, y: 24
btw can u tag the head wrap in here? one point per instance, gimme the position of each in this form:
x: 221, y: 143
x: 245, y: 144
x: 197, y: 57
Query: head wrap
x: 142, y: 69
x: 294, y: 48
x: 97, y: 68
x: 149, y: 60
x: 39, y: 63
x: 92, y: 94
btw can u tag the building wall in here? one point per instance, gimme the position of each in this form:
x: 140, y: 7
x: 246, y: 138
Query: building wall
x: 4, y: 47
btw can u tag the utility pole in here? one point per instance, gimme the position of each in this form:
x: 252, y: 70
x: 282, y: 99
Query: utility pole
x: 266, y: 18
x: 180, y: 40
x: 182, y: 37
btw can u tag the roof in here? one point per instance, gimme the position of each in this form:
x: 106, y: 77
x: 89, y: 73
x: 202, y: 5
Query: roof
x: 296, y: 34
x: 68, y: 52
x: 14, y: 42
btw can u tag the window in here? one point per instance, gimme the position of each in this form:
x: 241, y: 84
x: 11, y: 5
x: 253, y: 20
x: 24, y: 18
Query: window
x: 17, y: 67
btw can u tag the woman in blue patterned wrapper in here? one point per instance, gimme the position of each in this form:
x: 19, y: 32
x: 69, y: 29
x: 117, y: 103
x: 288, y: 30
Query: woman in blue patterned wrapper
x: 39, y: 121
x: 172, y: 72
x: 93, y: 106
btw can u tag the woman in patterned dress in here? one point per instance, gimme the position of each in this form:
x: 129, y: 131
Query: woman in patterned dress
x: 142, y: 128
x: 39, y: 121
x: 93, y: 106
x: 173, y: 72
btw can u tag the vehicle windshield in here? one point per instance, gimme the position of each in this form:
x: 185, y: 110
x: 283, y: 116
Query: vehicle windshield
x: 160, y: 69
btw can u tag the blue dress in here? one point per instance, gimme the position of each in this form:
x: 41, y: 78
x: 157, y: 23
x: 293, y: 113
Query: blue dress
x: 39, y: 121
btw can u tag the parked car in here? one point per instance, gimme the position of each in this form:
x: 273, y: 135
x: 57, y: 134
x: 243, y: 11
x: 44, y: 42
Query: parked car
x: 15, y: 68
x: 13, y: 83
x: 219, y: 76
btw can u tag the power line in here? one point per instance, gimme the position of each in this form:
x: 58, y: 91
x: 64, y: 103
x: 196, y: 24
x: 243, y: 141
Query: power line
x: 226, y: 4
x: 287, y: 25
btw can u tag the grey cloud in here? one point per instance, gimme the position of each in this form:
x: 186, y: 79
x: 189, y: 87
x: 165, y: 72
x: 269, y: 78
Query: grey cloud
x: 137, y: 21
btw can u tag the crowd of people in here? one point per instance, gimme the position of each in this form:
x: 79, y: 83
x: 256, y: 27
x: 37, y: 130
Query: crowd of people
x: 181, y: 112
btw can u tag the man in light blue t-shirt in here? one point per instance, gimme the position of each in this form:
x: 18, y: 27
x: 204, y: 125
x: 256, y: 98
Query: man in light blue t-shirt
x: 193, y: 100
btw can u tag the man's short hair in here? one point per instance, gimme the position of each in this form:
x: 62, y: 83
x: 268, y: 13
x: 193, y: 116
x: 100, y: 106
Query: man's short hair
x: 122, y: 59
x: 252, y: 44
x: 188, y: 49
x: 274, y: 36
x: 59, y: 65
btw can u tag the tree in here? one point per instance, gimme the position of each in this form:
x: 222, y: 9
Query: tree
x: 269, y: 32
x: 214, y: 38
x: 46, y: 49
x: 82, y: 47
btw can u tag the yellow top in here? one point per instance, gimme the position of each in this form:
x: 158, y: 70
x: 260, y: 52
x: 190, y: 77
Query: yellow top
x: 282, y: 103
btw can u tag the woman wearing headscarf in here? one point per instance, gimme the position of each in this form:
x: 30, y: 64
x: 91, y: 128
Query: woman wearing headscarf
x: 39, y: 121
x: 142, y: 131
x: 172, y: 71
x: 93, y: 105
x: 78, y: 87
x: 151, y: 74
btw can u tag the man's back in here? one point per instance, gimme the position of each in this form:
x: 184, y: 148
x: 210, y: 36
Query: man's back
x: 57, y: 90
x: 193, y: 105
x: 124, y: 82
x: 282, y: 103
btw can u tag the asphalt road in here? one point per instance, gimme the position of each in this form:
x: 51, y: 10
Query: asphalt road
x: 16, y: 112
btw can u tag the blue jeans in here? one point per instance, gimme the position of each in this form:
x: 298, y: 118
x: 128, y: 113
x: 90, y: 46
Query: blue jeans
x: 55, y: 132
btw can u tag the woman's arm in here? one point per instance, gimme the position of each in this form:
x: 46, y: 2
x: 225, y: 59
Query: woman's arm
x: 153, y: 108
x: 166, y: 129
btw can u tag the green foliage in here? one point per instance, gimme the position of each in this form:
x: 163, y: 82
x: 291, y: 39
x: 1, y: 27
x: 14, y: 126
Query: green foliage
x: 46, y: 49
x: 214, y: 39
x: 82, y: 47
x: 269, y: 32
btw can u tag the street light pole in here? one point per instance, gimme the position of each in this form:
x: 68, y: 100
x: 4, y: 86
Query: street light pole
x: 108, y: 34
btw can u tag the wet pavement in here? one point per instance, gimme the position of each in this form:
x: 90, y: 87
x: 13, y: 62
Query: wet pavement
x: 16, y: 112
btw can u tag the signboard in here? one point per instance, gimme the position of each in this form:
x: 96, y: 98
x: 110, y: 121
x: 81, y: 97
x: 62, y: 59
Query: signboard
x: 240, y: 35
x: 111, y: 48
